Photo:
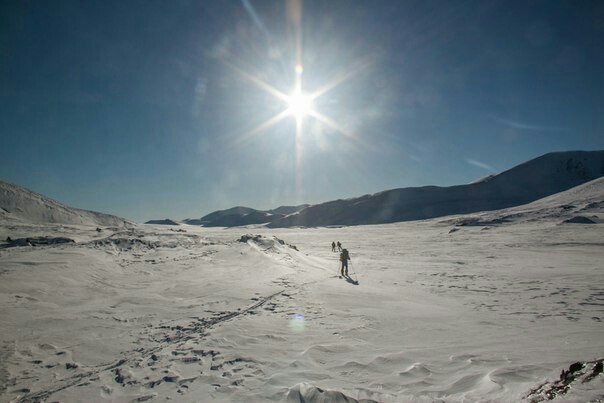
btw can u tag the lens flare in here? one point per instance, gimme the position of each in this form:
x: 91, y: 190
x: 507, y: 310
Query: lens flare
x: 302, y: 104
x: 296, y: 323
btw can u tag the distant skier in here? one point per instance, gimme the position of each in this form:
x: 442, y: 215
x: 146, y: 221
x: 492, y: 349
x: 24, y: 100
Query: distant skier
x: 344, y: 258
x: 333, y: 246
x: 339, y: 247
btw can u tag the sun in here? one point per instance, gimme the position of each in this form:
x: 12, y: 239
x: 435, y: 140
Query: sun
x: 299, y: 104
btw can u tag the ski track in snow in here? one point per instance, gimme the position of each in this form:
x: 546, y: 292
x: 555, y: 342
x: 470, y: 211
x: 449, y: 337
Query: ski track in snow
x: 483, y: 313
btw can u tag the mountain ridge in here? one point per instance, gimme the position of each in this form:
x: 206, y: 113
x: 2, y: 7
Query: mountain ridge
x: 22, y: 204
x: 531, y: 180
x: 239, y: 215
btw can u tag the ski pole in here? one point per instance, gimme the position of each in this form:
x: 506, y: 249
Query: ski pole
x: 353, y: 272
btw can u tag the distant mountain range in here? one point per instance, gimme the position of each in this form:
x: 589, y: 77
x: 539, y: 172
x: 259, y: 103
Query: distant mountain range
x: 530, y: 181
x: 543, y: 176
x: 237, y: 216
x: 165, y: 221
x: 22, y: 205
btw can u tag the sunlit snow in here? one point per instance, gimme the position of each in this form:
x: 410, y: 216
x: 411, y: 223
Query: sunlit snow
x: 482, y: 307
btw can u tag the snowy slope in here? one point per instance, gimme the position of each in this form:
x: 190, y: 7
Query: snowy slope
x: 491, y: 312
x: 581, y: 201
x: 543, y: 176
x: 21, y: 204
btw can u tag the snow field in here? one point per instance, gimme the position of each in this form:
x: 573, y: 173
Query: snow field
x: 482, y: 313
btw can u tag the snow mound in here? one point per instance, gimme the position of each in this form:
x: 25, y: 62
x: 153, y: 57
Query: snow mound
x: 306, y: 393
x: 21, y: 204
x: 266, y: 242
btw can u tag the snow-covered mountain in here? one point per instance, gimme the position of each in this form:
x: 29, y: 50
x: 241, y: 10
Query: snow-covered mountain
x: 238, y: 216
x: 581, y: 205
x: 21, y: 204
x: 218, y: 215
x: 535, y: 179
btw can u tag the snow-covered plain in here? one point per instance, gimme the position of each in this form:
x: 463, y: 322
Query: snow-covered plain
x: 481, y: 307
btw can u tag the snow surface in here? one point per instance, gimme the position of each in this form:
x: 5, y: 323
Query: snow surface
x: 481, y: 307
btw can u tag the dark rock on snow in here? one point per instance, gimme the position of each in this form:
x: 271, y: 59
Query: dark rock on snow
x: 35, y: 241
x: 579, y: 220
x: 165, y: 221
x: 578, y: 372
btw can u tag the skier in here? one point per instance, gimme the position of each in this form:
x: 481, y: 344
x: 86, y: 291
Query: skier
x: 344, y: 258
x: 339, y: 247
x: 333, y: 246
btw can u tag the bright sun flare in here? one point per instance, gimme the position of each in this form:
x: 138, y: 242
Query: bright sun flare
x: 299, y: 104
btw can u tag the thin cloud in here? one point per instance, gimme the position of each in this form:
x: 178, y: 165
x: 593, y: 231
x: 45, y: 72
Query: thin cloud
x: 480, y: 164
x: 525, y: 126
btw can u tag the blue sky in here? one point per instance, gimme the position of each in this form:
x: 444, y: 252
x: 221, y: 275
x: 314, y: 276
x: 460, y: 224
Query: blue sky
x: 147, y: 109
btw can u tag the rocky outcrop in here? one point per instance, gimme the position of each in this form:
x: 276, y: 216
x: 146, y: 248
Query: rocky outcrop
x: 577, y: 376
x: 165, y: 221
